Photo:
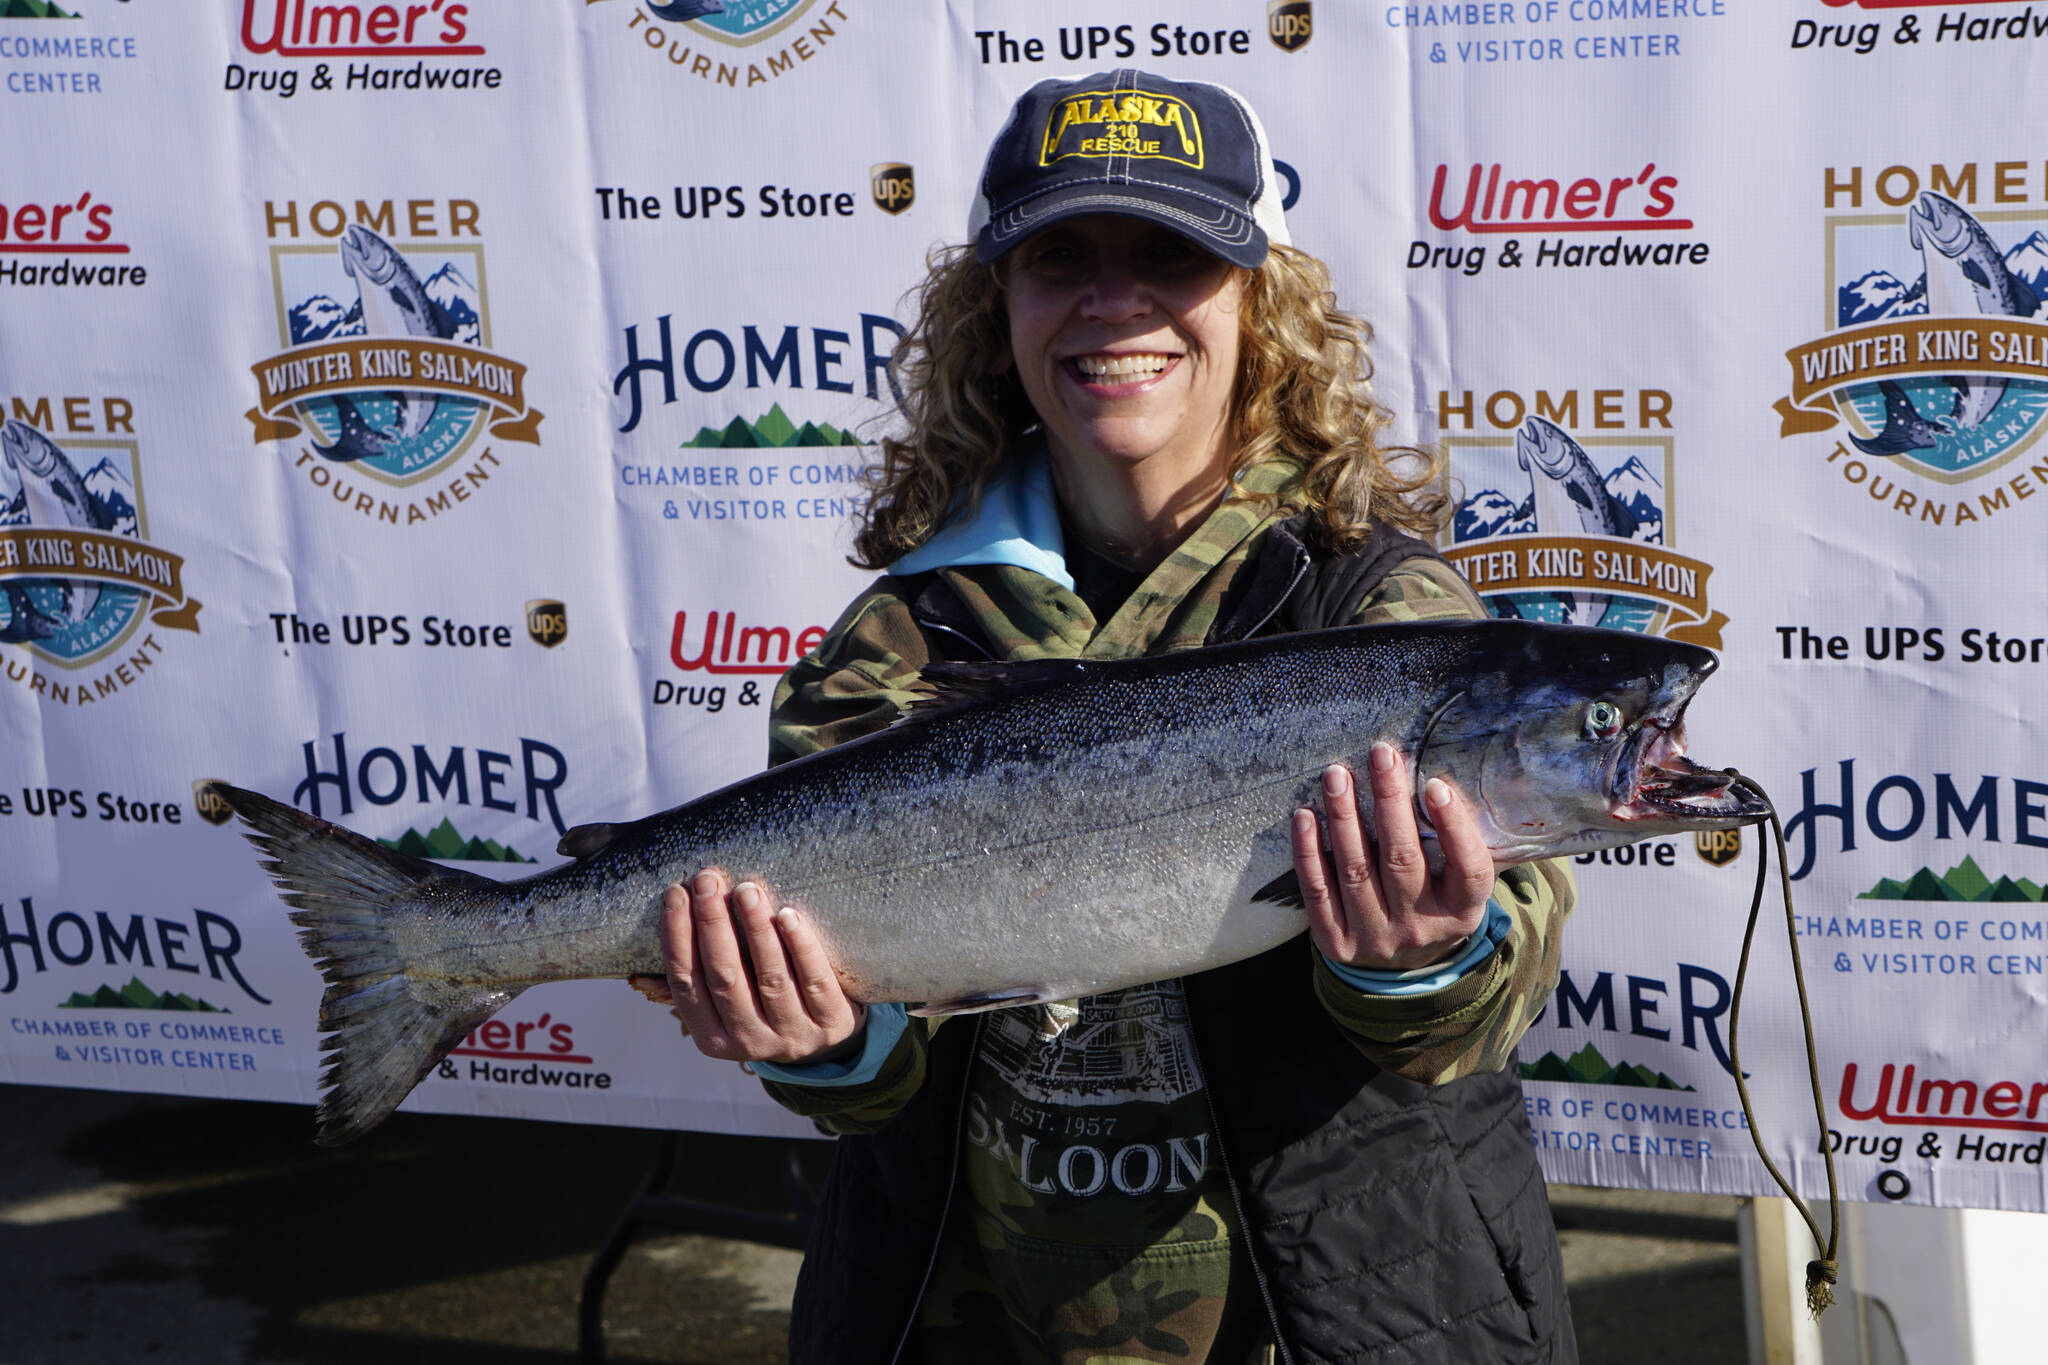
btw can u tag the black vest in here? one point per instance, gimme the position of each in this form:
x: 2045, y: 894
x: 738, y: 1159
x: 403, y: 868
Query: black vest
x: 1388, y: 1221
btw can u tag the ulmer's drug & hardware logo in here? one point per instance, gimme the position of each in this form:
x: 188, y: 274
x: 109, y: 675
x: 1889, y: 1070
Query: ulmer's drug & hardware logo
x: 1936, y: 361
x: 80, y: 580
x: 1553, y: 528
x: 388, y: 381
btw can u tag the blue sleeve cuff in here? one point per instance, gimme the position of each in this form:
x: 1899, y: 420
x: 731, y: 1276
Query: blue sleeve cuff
x: 1423, y: 980
x: 884, y: 1026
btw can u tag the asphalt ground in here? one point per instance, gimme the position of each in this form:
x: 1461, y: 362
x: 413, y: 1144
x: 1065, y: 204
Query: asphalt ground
x: 141, y: 1230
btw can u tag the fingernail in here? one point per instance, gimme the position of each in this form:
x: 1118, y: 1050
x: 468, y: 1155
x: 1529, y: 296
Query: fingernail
x: 1438, y: 792
x: 705, y: 884
x: 1382, y: 757
x: 786, y: 917
x: 748, y: 895
x: 1333, y: 779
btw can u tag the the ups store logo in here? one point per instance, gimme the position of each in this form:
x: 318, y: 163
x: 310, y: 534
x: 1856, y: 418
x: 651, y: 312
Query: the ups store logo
x: 1290, y: 24
x: 1718, y: 846
x: 207, y: 800
x: 894, y: 185
x: 547, y: 622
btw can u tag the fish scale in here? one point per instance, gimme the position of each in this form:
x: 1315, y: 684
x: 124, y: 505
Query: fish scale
x: 1040, y: 831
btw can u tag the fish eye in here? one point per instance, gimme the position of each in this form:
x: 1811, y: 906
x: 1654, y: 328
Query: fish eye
x: 1603, y: 720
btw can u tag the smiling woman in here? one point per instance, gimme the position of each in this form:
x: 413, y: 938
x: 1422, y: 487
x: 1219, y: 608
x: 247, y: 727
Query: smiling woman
x: 1137, y: 422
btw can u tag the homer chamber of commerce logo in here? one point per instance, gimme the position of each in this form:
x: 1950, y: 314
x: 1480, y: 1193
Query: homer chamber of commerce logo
x: 1569, y: 530
x: 738, y: 43
x: 73, y: 58
x: 65, y: 964
x: 365, y: 47
x: 87, y: 597
x: 386, y: 399
x: 1624, y: 1032
x: 1934, y: 366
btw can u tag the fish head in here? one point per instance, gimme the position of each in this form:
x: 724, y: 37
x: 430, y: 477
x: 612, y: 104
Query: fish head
x: 366, y: 256
x: 27, y: 450
x: 1544, y: 446
x: 1940, y: 220
x: 1572, y: 738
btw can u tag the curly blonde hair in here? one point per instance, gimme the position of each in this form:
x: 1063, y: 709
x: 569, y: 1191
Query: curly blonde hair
x: 1303, y: 393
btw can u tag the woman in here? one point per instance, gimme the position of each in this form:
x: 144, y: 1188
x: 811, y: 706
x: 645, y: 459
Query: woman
x: 1138, y: 424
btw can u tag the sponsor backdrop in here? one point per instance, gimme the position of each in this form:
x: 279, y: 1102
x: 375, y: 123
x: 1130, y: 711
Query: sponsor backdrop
x: 445, y: 417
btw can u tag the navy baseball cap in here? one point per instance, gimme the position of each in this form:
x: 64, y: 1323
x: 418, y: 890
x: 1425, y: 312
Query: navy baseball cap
x: 1186, y: 154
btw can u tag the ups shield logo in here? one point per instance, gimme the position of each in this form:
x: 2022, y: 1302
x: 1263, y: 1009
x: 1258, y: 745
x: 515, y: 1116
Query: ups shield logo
x: 1290, y: 24
x: 547, y: 622
x: 894, y: 186
x: 207, y: 800
x: 1718, y: 846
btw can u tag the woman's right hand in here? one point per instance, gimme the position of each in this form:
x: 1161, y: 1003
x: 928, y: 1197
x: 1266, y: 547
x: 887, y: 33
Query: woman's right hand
x: 778, y: 1000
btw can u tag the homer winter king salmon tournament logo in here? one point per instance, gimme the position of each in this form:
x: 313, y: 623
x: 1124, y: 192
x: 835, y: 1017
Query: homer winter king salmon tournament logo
x: 86, y: 599
x: 387, y: 398
x: 1932, y: 378
x: 1573, y: 530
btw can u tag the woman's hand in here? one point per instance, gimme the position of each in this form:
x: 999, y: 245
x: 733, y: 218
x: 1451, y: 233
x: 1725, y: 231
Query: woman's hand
x: 751, y: 983
x: 1379, y: 908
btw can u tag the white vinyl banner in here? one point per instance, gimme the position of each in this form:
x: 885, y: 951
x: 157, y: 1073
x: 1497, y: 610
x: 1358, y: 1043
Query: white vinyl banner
x: 446, y: 417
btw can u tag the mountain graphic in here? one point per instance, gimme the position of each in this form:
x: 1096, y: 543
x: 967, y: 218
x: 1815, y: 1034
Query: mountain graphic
x: 1642, y: 493
x: 456, y: 297
x: 1879, y: 294
x: 773, y: 431
x: 446, y: 843
x: 32, y: 9
x: 113, y: 507
x: 320, y: 317
x: 1588, y: 1067
x: 2029, y: 261
x: 1963, y: 882
x: 1489, y: 512
x: 136, y: 996
x: 107, y: 488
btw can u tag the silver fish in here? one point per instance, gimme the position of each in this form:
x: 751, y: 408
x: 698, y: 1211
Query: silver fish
x: 1569, y: 495
x: 56, y: 496
x: 394, y: 303
x: 1965, y: 272
x: 1038, y: 832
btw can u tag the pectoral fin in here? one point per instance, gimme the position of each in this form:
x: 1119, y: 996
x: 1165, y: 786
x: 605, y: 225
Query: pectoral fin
x: 988, y: 1000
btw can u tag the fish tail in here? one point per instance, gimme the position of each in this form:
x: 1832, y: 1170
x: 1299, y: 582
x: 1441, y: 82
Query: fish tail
x: 386, y: 1026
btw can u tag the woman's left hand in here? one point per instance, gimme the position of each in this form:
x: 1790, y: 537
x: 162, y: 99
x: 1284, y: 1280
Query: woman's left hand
x: 1374, y: 904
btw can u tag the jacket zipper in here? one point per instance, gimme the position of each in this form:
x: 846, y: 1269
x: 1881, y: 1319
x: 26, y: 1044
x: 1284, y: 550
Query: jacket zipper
x: 1244, y: 1229
x: 942, y: 628
x: 946, y: 1206
x: 1301, y: 563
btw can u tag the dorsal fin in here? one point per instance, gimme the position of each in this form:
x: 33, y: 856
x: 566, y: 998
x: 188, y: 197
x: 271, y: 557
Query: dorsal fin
x: 584, y: 840
x: 959, y: 686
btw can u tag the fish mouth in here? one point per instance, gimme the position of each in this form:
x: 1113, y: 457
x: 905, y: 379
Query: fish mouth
x: 22, y: 451
x: 363, y: 250
x: 1941, y: 221
x: 1662, y: 784
x: 1545, y: 446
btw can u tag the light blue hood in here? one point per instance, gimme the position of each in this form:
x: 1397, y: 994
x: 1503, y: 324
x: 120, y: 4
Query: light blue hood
x: 1017, y: 523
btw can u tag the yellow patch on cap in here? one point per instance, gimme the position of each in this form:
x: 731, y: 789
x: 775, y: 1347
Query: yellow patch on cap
x: 1107, y: 123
